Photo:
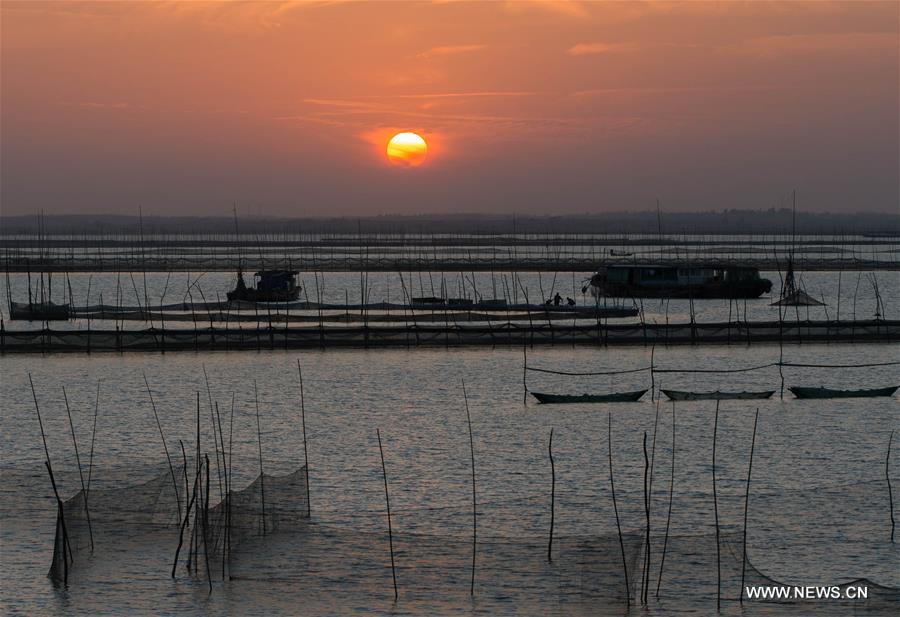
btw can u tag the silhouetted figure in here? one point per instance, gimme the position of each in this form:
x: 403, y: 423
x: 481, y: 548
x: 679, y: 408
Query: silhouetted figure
x: 570, y: 301
x: 557, y: 299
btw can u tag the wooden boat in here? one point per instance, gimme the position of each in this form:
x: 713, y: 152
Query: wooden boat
x: 614, y: 397
x: 679, y: 395
x: 38, y: 311
x: 830, y: 393
x: 271, y: 286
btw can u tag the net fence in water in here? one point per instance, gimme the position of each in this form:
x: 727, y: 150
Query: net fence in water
x: 263, y: 533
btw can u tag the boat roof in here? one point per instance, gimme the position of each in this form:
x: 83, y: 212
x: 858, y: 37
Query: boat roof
x: 276, y: 273
x: 701, y: 265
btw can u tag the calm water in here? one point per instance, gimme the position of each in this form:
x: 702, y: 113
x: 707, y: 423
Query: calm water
x: 818, y: 512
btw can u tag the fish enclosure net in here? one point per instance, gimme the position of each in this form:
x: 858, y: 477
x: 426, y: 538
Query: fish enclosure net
x: 172, y: 512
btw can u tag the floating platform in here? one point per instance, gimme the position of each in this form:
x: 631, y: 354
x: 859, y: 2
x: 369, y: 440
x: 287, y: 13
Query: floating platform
x: 446, y: 335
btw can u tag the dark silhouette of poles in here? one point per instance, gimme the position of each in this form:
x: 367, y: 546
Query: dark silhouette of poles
x: 746, y: 506
x: 552, y: 498
x: 187, y: 516
x: 93, y: 437
x: 474, y: 498
x: 612, y: 486
x: 87, y: 512
x: 387, y: 501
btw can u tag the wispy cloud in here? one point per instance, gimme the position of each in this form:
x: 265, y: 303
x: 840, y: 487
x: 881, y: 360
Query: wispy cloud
x: 585, y: 49
x: 449, y: 50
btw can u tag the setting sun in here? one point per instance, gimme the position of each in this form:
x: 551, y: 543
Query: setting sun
x: 407, y: 149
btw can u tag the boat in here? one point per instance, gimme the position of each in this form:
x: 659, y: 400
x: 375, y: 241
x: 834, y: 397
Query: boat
x: 614, y: 397
x: 271, y: 286
x: 805, y: 393
x: 678, y: 281
x: 428, y: 301
x: 38, y: 311
x: 680, y: 395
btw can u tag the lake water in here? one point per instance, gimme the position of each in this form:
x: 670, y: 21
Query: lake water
x: 818, y: 513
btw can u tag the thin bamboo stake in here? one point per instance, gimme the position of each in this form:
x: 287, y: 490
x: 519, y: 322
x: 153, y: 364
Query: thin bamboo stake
x: 305, y: 448
x: 205, y: 520
x: 746, y: 506
x: 93, y: 437
x: 187, y: 516
x: 87, y: 512
x: 262, y: 485
x: 387, y: 500
x: 887, y: 477
x: 662, y: 561
x: 165, y: 447
x: 552, y: 498
x: 716, y: 511
x: 612, y: 486
x: 474, y: 500
x: 645, y: 575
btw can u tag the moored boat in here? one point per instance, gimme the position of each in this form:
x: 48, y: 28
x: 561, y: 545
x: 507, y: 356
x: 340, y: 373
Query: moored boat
x: 678, y: 281
x: 614, y: 397
x: 680, y: 395
x: 806, y: 393
x: 271, y: 286
x: 38, y: 311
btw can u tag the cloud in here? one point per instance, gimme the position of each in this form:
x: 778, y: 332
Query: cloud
x: 449, y: 50
x: 585, y: 49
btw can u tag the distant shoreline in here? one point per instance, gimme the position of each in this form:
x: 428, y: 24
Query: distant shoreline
x: 736, y: 222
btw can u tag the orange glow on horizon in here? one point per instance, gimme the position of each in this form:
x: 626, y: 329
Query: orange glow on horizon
x: 407, y: 149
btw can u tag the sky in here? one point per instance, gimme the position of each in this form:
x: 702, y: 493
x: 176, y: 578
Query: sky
x: 286, y: 108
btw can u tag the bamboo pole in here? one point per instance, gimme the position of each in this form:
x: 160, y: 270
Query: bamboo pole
x: 163, y: 439
x: 387, y: 500
x: 746, y: 507
x: 474, y: 499
x: 612, y: 486
x: 716, y: 511
x: 262, y: 485
x: 87, y: 512
x: 887, y: 477
x: 662, y: 561
x: 552, y: 498
x: 305, y: 447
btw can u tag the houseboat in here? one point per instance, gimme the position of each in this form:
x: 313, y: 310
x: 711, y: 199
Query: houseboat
x: 677, y: 281
x: 270, y: 286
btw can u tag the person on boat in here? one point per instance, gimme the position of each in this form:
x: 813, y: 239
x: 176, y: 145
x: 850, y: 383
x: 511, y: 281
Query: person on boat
x: 570, y: 301
x: 549, y: 302
x: 557, y: 299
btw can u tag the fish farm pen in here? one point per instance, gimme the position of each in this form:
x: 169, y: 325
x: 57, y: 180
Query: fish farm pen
x: 437, y: 252
x: 47, y: 340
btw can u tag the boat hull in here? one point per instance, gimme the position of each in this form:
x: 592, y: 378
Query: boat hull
x: 24, y: 311
x: 736, y: 291
x: 819, y: 393
x: 254, y: 295
x: 615, y: 397
x: 679, y: 395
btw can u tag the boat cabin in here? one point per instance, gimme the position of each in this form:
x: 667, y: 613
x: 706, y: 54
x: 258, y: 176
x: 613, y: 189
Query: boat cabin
x: 679, y: 280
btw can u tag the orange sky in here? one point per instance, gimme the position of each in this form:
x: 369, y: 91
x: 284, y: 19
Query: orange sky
x: 544, y: 107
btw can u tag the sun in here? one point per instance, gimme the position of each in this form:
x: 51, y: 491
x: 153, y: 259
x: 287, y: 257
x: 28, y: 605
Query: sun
x: 407, y: 149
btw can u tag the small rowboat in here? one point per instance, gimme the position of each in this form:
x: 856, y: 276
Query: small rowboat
x: 679, y: 395
x: 615, y: 397
x: 829, y: 393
